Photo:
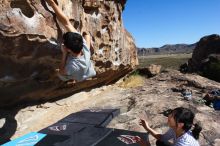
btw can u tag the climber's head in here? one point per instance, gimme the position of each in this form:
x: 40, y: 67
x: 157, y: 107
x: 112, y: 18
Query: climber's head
x: 73, y: 42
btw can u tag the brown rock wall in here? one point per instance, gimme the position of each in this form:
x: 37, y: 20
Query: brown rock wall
x: 206, y: 57
x: 30, y: 38
x: 208, y: 45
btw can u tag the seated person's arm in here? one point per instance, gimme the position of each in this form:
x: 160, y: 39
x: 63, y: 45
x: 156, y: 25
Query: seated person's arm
x: 61, y: 16
x: 150, y: 130
x: 153, y: 133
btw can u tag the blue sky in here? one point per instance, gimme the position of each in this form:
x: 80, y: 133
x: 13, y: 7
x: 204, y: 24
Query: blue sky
x: 154, y: 23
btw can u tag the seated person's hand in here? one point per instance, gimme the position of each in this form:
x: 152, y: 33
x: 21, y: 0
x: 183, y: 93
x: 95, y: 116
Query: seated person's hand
x: 143, y: 123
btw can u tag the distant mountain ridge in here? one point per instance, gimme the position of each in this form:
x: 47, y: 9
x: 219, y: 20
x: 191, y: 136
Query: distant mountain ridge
x: 167, y: 49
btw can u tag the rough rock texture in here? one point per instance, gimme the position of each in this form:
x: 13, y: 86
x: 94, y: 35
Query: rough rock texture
x: 145, y: 100
x: 151, y: 70
x: 30, y: 40
x: 206, y: 57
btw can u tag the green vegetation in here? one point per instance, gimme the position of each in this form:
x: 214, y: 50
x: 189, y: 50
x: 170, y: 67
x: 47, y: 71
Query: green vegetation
x: 135, y: 73
x: 167, y: 61
x: 134, y: 80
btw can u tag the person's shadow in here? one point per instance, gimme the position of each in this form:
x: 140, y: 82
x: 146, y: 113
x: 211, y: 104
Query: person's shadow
x: 9, y: 125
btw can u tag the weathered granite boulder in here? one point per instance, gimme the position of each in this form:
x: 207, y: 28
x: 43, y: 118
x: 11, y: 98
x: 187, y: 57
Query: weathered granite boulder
x: 206, y: 57
x: 30, y: 38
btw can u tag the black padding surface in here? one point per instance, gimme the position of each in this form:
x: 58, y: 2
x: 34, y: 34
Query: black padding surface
x: 63, y: 128
x: 96, y: 117
x: 84, y: 128
x: 91, y: 136
x: 53, y: 140
x: 88, y: 136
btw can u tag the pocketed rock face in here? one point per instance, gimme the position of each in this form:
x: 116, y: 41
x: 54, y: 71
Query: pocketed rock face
x: 30, y: 39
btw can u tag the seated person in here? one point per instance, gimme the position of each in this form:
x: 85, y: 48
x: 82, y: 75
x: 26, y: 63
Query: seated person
x: 75, y: 64
x: 180, y: 121
x: 213, y: 97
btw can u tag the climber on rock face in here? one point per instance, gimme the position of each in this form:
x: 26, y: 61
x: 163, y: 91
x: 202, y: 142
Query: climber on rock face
x: 75, y: 64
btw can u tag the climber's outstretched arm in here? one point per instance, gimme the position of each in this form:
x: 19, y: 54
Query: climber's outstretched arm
x: 61, y: 16
x: 87, y: 37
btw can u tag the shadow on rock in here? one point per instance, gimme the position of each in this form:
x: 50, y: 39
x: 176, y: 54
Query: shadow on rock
x: 8, y: 125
